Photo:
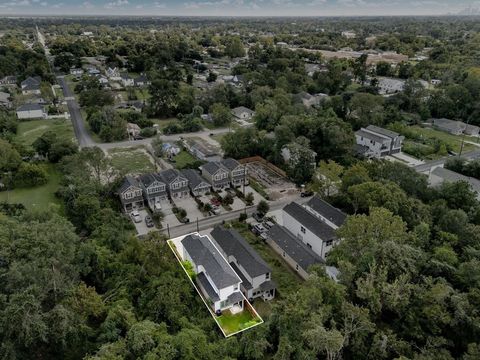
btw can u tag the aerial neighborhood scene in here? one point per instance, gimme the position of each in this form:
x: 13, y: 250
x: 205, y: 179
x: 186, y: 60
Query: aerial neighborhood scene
x: 255, y: 179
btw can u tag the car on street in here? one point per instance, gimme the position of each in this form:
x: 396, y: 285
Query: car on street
x: 185, y: 220
x: 306, y: 193
x: 149, y: 221
x: 136, y: 216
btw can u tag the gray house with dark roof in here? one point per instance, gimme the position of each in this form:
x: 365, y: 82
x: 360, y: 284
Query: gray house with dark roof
x: 237, y: 172
x: 299, y: 256
x: 177, y: 183
x: 215, y: 277
x: 154, y: 190
x: 31, y: 85
x: 326, y: 212
x: 256, y: 275
x: 308, y: 228
x: 131, y: 194
x: 198, y: 185
x: 216, y: 174
x: 377, y: 142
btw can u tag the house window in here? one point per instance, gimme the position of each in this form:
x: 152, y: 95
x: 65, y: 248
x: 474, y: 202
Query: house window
x: 284, y: 254
x: 296, y: 267
x: 302, y: 229
x: 267, y: 276
x: 235, y: 287
x: 329, y: 243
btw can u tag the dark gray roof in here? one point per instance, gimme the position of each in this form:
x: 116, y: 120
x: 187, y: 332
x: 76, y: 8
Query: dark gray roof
x: 235, y: 297
x: 31, y: 83
x: 327, y: 211
x: 298, y: 251
x: 233, y: 244
x: 230, y: 163
x: 168, y: 176
x: 452, y: 176
x: 127, y: 182
x: 203, y: 281
x: 148, y: 179
x: 203, y: 252
x: 309, y: 221
x: 194, y: 178
x: 30, y: 107
x: 245, y: 283
x: 212, y: 167
x: 382, y: 131
x: 371, y: 136
x: 449, y: 124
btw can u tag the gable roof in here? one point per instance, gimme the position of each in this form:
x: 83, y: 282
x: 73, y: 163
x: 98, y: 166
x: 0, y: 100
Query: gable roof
x: 233, y: 244
x: 230, y: 164
x: 127, y: 182
x: 241, y: 109
x: 326, y: 210
x: 309, y: 221
x: 452, y: 176
x: 170, y: 175
x: 382, y: 131
x: 298, y: 251
x: 449, y: 124
x: 31, y: 83
x: 203, y: 252
x: 30, y: 107
x: 369, y: 135
x: 212, y: 167
x: 194, y: 178
x: 149, y: 179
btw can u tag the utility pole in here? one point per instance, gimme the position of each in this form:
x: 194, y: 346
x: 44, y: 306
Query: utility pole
x: 198, y: 229
x: 168, y: 231
x: 463, y: 139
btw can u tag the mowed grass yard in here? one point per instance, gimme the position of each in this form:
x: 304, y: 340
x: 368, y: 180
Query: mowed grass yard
x: 184, y: 160
x: 132, y: 160
x: 38, y: 197
x: 454, y: 141
x: 29, y: 131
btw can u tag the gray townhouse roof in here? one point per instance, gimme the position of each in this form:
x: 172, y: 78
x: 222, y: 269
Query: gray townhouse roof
x: 148, y: 179
x: 382, y: 131
x: 30, y: 107
x: 328, y: 211
x: 309, y: 221
x: 369, y: 135
x: 127, y: 182
x: 203, y: 281
x: 233, y: 244
x: 212, y: 167
x: 203, y: 252
x: 169, y: 175
x: 298, y: 251
x: 452, y: 176
x: 194, y: 178
x: 230, y: 163
x: 31, y: 83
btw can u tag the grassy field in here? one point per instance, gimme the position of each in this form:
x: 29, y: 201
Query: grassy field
x: 131, y: 160
x: 29, y: 131
x: 38, y: 197
x: 184, y: 160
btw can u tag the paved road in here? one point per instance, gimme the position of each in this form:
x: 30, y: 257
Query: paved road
x: 423, y: 168
x: 210, y: 222
x: 81, y: 133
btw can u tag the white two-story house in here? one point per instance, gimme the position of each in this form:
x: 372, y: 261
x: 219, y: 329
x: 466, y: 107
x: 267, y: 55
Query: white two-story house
x: 237, y: 172
x: 131, y: 194
x: 311, y: 230
x: 216, y: 279
x: 216, y: 174
x: 154, y: 191
x: 377, y: 142
x: 254, y: 272
x: 176, y: 182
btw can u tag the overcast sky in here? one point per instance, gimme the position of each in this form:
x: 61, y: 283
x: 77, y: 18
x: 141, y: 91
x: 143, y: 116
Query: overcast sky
x: 236, y: 7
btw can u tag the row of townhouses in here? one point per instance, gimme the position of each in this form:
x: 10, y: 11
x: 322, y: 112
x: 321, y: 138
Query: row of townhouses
x: 228, y: 270
x: 155, y: 188
x: 307, y: 234
x: 376, y: 142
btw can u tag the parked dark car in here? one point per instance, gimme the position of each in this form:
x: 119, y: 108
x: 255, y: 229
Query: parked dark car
x: 185, y: 220
x: 149, y: 221
x: 306, y: 193
x: 258, y: 217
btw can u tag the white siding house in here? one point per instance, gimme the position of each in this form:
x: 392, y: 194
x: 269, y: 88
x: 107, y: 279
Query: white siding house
x: 31, y: 111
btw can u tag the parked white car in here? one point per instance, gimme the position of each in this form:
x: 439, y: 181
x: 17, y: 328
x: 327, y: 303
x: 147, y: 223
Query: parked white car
x: 136, y: 216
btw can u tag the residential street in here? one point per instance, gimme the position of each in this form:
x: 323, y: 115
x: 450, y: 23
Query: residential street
x: 81, y: 133
x: 423, y: 168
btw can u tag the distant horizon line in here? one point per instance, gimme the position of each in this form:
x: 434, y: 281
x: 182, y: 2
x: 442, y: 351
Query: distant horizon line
x: 231, y: 16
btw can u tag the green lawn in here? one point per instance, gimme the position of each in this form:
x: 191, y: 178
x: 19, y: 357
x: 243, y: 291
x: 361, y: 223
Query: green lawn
x: 184, y: 160
x: 131, y: 160
x: 29, y: 131
x: 38, y: 197
x: 232, y: 323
